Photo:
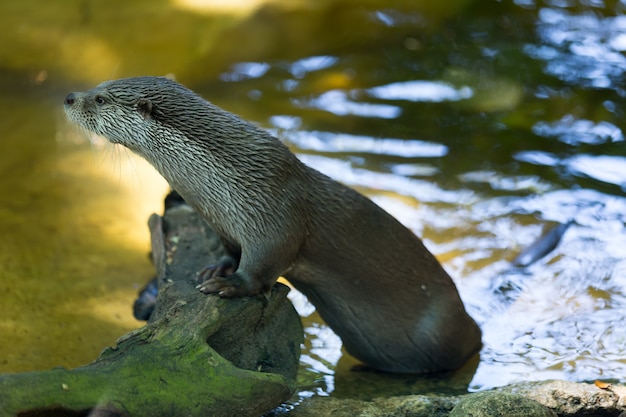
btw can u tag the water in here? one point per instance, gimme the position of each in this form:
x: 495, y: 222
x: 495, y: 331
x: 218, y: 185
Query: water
x: 478, y: 140
x: 478, y: 127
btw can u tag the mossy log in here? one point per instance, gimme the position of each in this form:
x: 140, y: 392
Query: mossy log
x: 198, y: 355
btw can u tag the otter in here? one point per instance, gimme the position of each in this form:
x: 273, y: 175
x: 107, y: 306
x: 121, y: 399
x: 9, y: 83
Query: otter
x: 370, y: 278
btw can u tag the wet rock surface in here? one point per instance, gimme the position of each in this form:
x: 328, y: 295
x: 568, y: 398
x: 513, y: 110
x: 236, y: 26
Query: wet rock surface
x: 493, y: 404
x: 574, y: 399
x: 546, y: 398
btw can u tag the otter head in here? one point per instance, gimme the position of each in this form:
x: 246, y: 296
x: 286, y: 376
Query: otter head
x: 125, y: 111
x: 187, y: 139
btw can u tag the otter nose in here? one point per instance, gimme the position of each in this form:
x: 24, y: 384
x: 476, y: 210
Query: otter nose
x: 70, y: 99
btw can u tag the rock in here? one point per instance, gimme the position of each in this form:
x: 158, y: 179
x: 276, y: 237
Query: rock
x: 573, y: 399
x: 496, y: 404
x: 412, y: 405
x: 548, y: 398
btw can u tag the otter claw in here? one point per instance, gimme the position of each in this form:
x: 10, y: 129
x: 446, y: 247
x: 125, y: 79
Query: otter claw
x: 212, y: 286
x: 236, y: 285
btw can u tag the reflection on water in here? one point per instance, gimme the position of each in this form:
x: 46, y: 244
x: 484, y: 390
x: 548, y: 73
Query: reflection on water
x: 605, y: 168
x: 575, y: 131
x: 582, y: 48
x: 346, y: 143
x: 420, y: 91
x: 478, y: 133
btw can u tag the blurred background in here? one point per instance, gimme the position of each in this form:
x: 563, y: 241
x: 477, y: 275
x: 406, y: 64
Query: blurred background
x: 479, y: 124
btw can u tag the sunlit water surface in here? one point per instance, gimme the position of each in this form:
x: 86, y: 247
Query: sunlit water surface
x: 478, y: 133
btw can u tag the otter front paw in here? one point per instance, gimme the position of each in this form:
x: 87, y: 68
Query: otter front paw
x: 234, y: 285
x: 224, y: 267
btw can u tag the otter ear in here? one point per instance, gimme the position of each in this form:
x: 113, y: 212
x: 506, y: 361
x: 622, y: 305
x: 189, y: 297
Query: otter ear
x: 145, y: 107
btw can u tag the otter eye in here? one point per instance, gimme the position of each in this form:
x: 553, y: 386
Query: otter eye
x: 99, y: 100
